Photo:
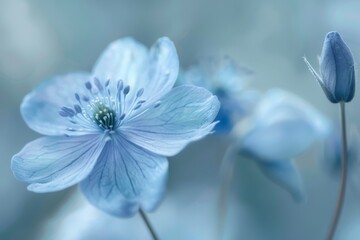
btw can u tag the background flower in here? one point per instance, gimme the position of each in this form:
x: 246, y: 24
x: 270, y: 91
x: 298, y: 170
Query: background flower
x: 282, y: 128
x: 228, y: 81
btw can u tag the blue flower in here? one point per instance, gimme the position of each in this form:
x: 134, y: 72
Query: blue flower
x: 337, y: 75
x: 282, y: 127
x: 224, y: 78
x: 112, y: 130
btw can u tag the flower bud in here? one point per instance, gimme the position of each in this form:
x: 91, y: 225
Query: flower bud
x: 337, y: 75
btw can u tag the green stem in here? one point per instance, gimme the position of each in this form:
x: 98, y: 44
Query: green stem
x: 226, y: 175
x: 148, y: 224
x: 341, y: 197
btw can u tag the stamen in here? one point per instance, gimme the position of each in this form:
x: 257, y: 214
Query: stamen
x: 70, y: 112
x: 98, y: 85
x: 63, y: 114
x: 86, y: 98
x: 137, y: 106
x: 122, y: 117
x: 88, y: 86
x: 120, y: 85
x: 140, y: 92
x: 157, y: 104
x: 77, y: 97
x: 126, y: 90
x: 107, y: 83
x: 77, y: 108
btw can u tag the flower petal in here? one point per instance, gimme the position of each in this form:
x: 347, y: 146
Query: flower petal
x: 275, y: 142
x: 125, y: 178
x: 155, y: 71
x: 40, y: 108
x: 123, y: 59
x: 161, y: 72
x: 185, y: 114
x: 286, y: 175
x: 283, y: 127
x: 54, y: 163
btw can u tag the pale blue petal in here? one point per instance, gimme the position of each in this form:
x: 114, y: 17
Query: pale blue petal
x: 161, y: 72
x: 155, y: 71
x: 277, y: 104
x: 185, y: 114
x: 124, y: 59
x: 286, y: 175
x: 40, y: 108
x: 125, y: 178
x: 54, y: 163
x: 283, y: 140
x: 283, y: 127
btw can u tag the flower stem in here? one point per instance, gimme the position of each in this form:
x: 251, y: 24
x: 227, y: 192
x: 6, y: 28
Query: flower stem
x: 341, y: 197
x: 148, y: 224
x: 226, y: 175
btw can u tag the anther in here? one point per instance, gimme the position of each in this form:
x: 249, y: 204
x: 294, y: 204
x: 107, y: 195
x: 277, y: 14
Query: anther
x: 88, y: 85
x: 126, y: 90
x: 140, y: 92
x: 98, y: 84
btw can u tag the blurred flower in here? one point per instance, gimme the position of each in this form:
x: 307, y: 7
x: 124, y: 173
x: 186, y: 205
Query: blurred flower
x: 331, y: 157
x: 337, y: 75
x: 224, y: 78
x: 112, y: 130
x: 282, y: 127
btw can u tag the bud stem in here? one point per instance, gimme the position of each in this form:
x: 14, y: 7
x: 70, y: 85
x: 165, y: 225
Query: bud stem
x: 341, y: 197
x: 148, y: 225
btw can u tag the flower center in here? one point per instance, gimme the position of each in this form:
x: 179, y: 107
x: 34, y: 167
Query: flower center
x: 103, y: 106
x: 104, y: 117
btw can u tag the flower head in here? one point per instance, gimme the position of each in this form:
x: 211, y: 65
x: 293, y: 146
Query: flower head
x: 227, y: 80
x: 337, y: 75
x: 282, y: 127
x: 112, y: 130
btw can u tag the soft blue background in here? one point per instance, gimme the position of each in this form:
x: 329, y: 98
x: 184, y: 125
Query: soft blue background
x: 42, y: 38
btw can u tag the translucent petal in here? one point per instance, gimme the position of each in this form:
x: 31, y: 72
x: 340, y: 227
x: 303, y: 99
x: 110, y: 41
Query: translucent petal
x: 54, y: 163
x: 161, y: 72
x: 286, y: 175
x: 283, y: 140
x: 184, y: 115
x: 155, y: 71
x: 278, y: 104
x: 124, y: 59
x: 40, y: 108
x: 283, y: 127
x: 125, y: 178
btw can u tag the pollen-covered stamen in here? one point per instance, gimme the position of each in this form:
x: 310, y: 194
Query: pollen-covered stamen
x: 104, y: 116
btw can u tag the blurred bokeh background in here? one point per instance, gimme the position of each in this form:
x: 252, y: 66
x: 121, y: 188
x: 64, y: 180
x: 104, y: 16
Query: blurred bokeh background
x: 40, y: 39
